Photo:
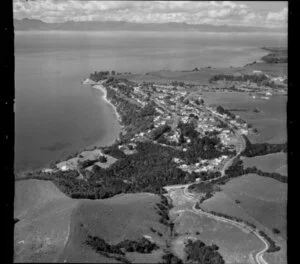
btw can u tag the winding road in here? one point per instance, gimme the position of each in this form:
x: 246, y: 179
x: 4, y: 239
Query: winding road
x: 259, y: 255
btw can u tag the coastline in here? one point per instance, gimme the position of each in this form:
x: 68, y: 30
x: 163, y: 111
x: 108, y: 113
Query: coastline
x: 99, y: 86
x: 104, y: 97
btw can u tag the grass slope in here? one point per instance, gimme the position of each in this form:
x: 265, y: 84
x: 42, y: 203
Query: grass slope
x: 128, y: 216
x: 54, y: 227
x: 44, y: 214
x: 270, y: 163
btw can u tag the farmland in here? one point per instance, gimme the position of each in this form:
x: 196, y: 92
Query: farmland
x: 260, y: 198
x: 276, y: 162
x: 53, y: 227
x: 191, y: 225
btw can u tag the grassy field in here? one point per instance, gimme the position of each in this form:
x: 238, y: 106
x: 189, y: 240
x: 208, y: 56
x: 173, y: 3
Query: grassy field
x: 277, y: 69
x: 260, y: 199
x: 44, y: 214
x: 54, y: 227
x: 276, y: 162
x: 198, y: 77
x: 270, y: 122
x: 203, y: 75
x: 235, y: 245
x: 116, y: 219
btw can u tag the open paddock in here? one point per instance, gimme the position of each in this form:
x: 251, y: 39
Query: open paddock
x: 274, y: 162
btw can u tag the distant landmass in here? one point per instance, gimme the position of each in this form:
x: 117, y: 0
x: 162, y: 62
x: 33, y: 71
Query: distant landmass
x: 35, y: 24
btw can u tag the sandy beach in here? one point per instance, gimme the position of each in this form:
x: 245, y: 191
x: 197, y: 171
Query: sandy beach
x: 103, y: 90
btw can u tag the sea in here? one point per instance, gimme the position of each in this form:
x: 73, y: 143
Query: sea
x: 55, y: 115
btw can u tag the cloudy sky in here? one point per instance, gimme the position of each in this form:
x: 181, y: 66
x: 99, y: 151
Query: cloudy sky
x: 260, y: 13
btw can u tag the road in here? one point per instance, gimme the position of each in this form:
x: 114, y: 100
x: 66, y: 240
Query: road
x: 259, y: 255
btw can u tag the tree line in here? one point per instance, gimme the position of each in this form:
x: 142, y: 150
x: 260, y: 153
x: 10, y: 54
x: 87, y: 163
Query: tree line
x: 259, y: 149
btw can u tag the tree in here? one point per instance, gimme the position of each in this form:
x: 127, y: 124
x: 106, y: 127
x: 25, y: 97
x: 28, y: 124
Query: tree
x: 113, y: 73
x: 102, y: 159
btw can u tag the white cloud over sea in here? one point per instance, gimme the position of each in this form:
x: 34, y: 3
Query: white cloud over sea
x: 204, y: 12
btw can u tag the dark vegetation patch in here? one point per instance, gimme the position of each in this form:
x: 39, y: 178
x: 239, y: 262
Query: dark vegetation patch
x: 260, y: 149
x: 197, y: 252
x: 170, y: 258
x: 119, y: 250
x: 207, y: 189
x: 276, y: 56
x: 237, y: 169
x: 163, y: 209
x: 260, y: 80
x: 276, y: 231
x: 272, y: 245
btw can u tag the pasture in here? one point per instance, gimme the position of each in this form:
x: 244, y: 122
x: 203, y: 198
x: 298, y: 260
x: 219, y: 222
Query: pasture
x: 275, y: 162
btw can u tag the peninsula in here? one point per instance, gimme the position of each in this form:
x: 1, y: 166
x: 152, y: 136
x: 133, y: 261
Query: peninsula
x: 172, y: 156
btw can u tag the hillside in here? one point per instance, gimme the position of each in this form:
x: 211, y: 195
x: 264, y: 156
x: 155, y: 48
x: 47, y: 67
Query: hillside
x: 54, y: 228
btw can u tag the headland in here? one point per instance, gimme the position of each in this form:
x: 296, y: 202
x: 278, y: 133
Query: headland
x: 174, y: 157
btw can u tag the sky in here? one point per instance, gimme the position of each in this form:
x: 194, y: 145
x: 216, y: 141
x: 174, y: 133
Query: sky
x: 234, y: 13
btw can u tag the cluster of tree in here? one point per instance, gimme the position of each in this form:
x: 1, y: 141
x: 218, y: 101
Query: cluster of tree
x: 274, y: 58
x: 114, y: 151
x: 272, y: 245
x: 148, y: 170
x: 100, y: 245
x: 204, y: 148
x: 276, y: 231
x: 237, y: 169
x: 176, y: 83
x: 201, y: 187
x: 223, y: 111
x: 259, y: 149
x: 124, y: 86
x: 141, y: 245
x: 135, y: 118
x: 197, y: 252
x: 163, y: 209
x: 273, y: 175
x: 188, y: 130
x: 207, y: 189
x: 170, y: 258
x: 86, y: 163
x: 159, y: 131
x: 255, y: 78
x: 97, y: 76
x: 102, y: 159
x: 261, y: 80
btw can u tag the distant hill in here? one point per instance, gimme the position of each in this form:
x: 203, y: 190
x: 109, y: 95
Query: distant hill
x: 34, y: 24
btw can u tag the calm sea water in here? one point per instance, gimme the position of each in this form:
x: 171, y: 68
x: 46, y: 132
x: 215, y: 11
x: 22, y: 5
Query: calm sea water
x: 56, y: 115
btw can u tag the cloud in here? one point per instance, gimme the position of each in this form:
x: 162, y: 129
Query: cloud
x: 218, y: 13
x: 279, y: 16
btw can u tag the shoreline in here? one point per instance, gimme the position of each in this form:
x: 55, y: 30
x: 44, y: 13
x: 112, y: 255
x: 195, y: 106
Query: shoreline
x: 101, y: 88
x: 21, y: 173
